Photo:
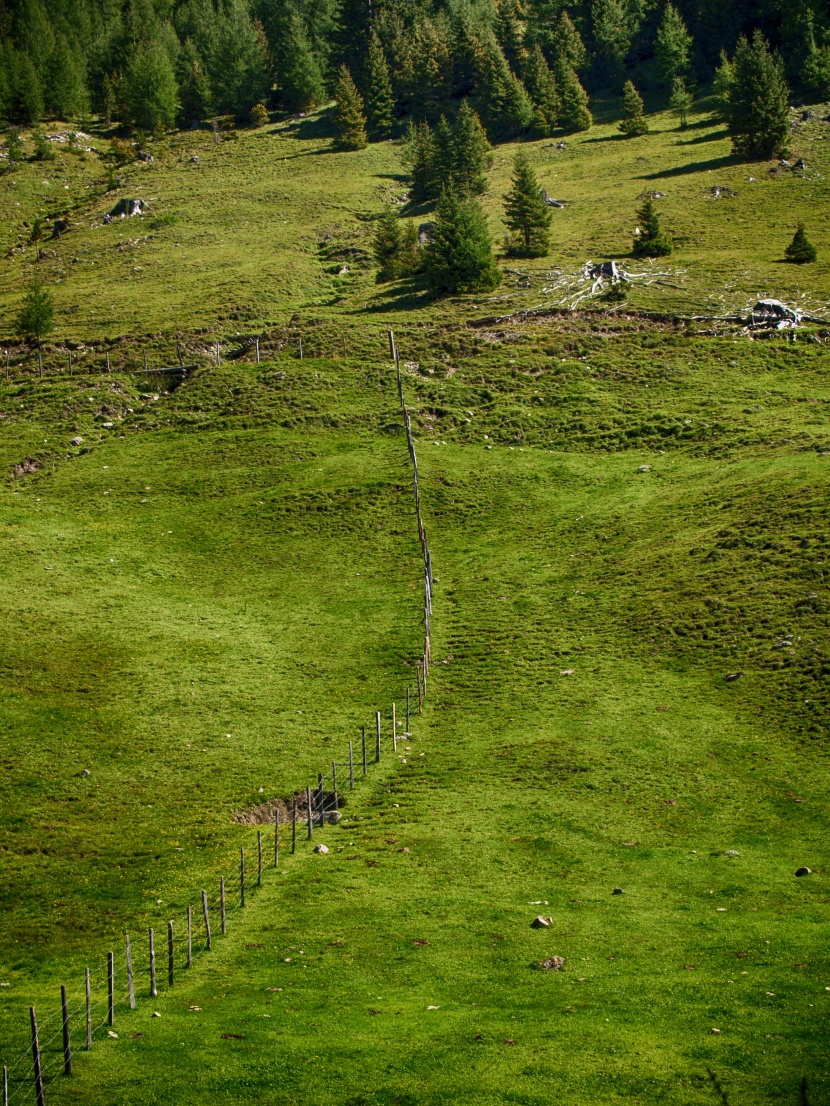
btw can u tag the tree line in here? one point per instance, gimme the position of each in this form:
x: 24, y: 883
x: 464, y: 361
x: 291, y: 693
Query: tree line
x: 527, y: 65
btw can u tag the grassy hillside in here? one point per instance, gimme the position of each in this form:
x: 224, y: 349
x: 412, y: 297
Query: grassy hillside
x: 212, y: 592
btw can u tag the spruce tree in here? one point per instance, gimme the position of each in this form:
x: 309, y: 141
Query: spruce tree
x: 758, y: 110
x: 44, y: 150
x: 301, y: 77
x: 409, y: 253
x: 633, y: 120
x: 348, y: 113
x: 722, y: 85
x: 651, y: 241
x: 460, y: 256
x: 65, y: 89
x: 386, y: 245
x: 672, y: 46
x: 430, y: 79
x: 568, y: 46
x: 36, y: 318
x: 541, y: 85
x: 526, y: 214
x: 27, y: 103
x: 816, y: 72
x: 614, y: 27
x: 504, y: 105
x: 151, y: 91
x: 470, y: 151
x: 575, y: 114
x: 239, y: 63
x: 419, y: 156
x: 510, y: 32
x: 801, y: 249
x: 681, y: 100
x: 194, y: 86
x: 380, y: 101
x: 14, y: 147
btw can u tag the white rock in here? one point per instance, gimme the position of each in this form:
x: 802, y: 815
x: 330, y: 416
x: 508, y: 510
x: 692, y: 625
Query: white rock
x: 321, y: 848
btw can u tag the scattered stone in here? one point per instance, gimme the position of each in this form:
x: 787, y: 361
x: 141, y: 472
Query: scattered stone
x: 85, y: 772
x: 688, y: 967
x: 618, y: 891
x: 155, y: 1014
x: 644, y: 468
x: 540, y: 922
x: 718, y: 191
x: 567, y: 672
x: 731, y: 852
x: 425, y: 232
x: 804, y: 871
x: 716, y: 1032
x: 553, y: 963
x: 60, y: 226
x: 76, y: 441
x: 733, y: 676
x: 125, y: 208
x: 111, y: 1034
x: 142, y: 155
x: 194, y: 160
x: 333, y: 816
x: 629, y: 844
x: 321, y: 848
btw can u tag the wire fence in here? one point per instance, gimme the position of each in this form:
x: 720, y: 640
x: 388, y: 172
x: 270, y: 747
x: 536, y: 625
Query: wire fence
x: 143, y: 966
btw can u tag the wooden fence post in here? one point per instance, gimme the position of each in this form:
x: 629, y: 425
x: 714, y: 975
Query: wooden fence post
x: 170, y: 954
x: 351, y: 767
x: 128, y: 953
x: 7, y: 366
x: 189, y: 961
x: 394, y: 730
x: 407, y: 708
x: 223, y: 916
x: 277, y: 838
x: 218, y: 355
x: 241, y: 876
x: 36, y: 1058
x: 301, y: 349
x: 40, y: 366
x: 110, y: 989
x: 259, y: 858
x: 420, y: 696
x: 294, y: 826
x: 257, y: 351
x: 88, y: 991
x: 5, y: 1086
x: 144, y: 354
x: 70, y: 362
x: 67, y: 1044
x: 206, y: 916
x: 153, y: 990
x: 109, y: 368
x: 310, y: 814
x: 363, y: 743
x: 377, y: 736
x: 334, y: 784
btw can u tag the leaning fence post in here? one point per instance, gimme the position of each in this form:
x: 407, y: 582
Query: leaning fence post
x: 88, y: 992
x: 223, y: 917
x: 110, y: 989
x: 334, y: 784
x: 109, y: 369
x: 420, y: 695
x: 153, y: 990
x: 377, y: 736
x: 189, y: 962
x: 301, y: 349
x: 36, y: 1058
x: 294, y: 826
x: 277, y: 838
x: 129, y: 958
x: 310, y: 814
x: 206, y: 916
x: 351, y: 767
x: 218, y: 355
x: 257, y: 351
x: 67, y: 1044
x: 394, y: 730
x: 170, y: 952
x: 363, y: 744
x: 179, y: 352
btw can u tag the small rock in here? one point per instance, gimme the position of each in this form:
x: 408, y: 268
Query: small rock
x: 155, y: 1014
x: 194, y: 160
x: 85, y: 772
x: 804, y: 871
x: 618, y: 891
x: 321, y: 848
x: 733, y: 676
x: 540, y: 922
x: 553, y: 963
x: 111, y: 1034
x: 731, y: 852
x: 333, y: 816
x: 644, y: 468
x: 716, y: 1032
x: 76, y: 441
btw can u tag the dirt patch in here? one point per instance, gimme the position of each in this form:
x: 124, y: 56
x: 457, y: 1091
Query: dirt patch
x: 326, y: 806
x: 27, y: 467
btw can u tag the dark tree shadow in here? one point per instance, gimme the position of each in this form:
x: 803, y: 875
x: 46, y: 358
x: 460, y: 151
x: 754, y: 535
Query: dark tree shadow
x: 401, y: 178
x: 315, y: 126
x: 698, y: 139
x: 693, y: 167
x: 408, y: 295
x: 610, y: 138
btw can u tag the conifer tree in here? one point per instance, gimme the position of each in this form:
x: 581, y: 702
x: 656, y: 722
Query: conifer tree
x: 348, y: 113
x: 443, y: 145
x: 386, y: 245
x: 633, y: 120
x: 431, y: 70
x: 301, y: 78
x: 510, y: 32
x: 505, y: 107
x: 409, y: 253
x: 801, y: 250
x: 470, y: 151
x: 681, y: 100
x: 816, y: 72
x: 36, y: 318
x: 527, y: 215
x: 651, y: 241
x: 568, y: 46
x: 614, y: 27
x: 420, y: 157
x: 239, y: 64
x: 380, y: 101
x: 27, y: 103
x: 44, y: 151
x: 194, y: 86
x: 575, y: 114
x: 14, y: 147
x: 758, y: 111
x: 722, y: 85
x: 672, y: 46
x: 541, y: 85
x: 151, y: 91
x: 65, y: 90
x: 460, y: 256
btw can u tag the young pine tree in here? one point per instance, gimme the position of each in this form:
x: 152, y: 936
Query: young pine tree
x: 44, y: 151
x: 541, y: 85
x: 758, y: 109
x: 380, y: 101
x: 504, y: 105
x: 15, y: 148
x: 510, y: 32
x: 460, y: 256
x: 386, y: 245
x: 614, y: 26
x: 722, y: 85
x: 681, y: 100
x: 419, y: 156
x: 568, y: 46
x: 575, y: 114
x: 801, y: 250
x: 36, y: 318
x: 301, y: 76
x: 151, y: 91
x: 633, y: 120
x: 348, y: 113
x: 651, y: 241
x: 527, y: 215
x: 816, y: 72
x: 470, y: 151
x: 671, y: 49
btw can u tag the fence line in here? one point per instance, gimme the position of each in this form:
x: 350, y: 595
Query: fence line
x: 130, y: 975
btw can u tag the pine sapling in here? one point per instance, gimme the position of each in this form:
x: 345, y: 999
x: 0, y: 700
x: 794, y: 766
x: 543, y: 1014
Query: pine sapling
x: 633, y: 120
x: 527, y: 215
x: 801, y: 250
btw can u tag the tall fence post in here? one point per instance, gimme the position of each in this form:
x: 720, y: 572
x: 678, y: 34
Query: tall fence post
x: 363, y: 744
x: 420, y: 694
x: 257, y: 351
x: 144, y: 354
x: 128, y: 956
x: 109, y: 367
x: 67, y: 1044
x: 70, y: 362
x: 310, y: 813
x: 170, y: 955
x: 152, y: 939
x: 36, y: 1058
x: 206, y: 916
x: 351, y: 767
x: 88, y: 996
x: 334, y: 784
x: 40, y: 371
x: 223, y: 914
x: 8, y: 355
x: 259, y: 858
x: 218, y: 355
x: 294, y: 826
x: 407, y: 708
x: 301, y: 349
x: 5, y: 1086
x: 277, y: 838
x: 394, y: 730
x: 179, y: 353
x: 189, y: 961
x: 377, y: 736
x: 110, y: 989
x: 241, y: 876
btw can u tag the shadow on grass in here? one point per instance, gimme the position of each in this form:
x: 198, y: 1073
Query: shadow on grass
x: 316, y: 127
x: 407, y: 295
x: 716, y: 136
x: 609, y: 138
x: 402, y: 178
x: 693, y: 167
